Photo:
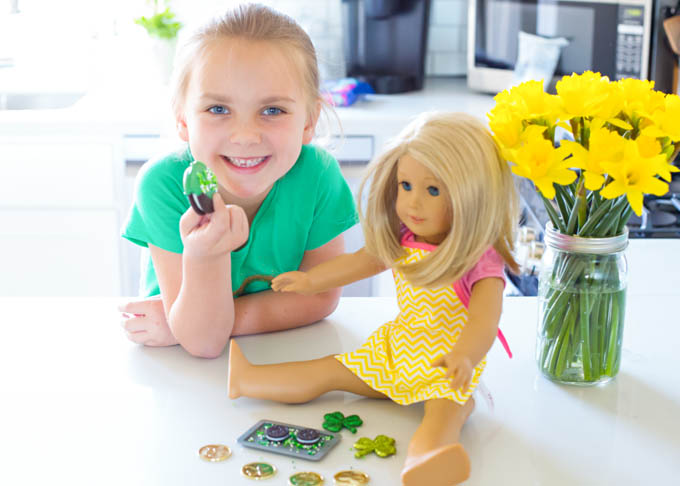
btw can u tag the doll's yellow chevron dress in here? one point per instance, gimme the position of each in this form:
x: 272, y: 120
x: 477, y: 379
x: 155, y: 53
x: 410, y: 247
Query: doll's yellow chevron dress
x: 395, y: 360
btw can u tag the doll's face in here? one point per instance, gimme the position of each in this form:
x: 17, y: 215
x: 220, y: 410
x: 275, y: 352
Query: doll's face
x: 422, y: 201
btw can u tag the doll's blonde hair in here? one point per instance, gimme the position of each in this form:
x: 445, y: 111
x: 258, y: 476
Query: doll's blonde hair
x: 461, y: 153
x: 252, y: 22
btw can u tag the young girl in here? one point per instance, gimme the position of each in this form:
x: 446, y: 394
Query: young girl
x: 246, y: 100
x: 441, y: 211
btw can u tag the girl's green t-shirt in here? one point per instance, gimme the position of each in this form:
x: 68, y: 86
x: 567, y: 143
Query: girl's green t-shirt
x: 305, y: 209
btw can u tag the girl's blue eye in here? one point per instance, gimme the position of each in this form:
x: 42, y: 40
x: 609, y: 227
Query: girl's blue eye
x: 218, y: 110
x: 406, y: 185
x: 433, y: 191
x: 272, y: 110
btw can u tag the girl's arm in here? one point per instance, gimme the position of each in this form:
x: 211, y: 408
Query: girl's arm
x: 479, y: 333
x: 196, y: 285
x: 341, y: 270
x: 254, y: 313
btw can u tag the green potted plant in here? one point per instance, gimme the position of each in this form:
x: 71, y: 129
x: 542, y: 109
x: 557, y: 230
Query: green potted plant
x: 162, y: 28
x: 162, y: 24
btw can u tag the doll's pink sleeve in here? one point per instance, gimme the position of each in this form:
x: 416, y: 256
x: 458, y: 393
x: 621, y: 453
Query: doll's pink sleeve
x: 490, y: 265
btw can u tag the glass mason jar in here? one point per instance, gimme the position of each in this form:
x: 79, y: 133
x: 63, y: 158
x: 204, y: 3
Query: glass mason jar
x: 581, y: 307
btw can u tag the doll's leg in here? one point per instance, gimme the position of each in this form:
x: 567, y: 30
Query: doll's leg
x: 435, y: 457
x: 293, y: 382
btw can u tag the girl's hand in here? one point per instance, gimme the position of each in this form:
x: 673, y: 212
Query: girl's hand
x: 144, y: 322
x: 298, y: 282
x: 459, y: 369
x: 213, y: 234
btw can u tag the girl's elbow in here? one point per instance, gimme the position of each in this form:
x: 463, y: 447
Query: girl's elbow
x: 205, y: 350
x: 329, y: 302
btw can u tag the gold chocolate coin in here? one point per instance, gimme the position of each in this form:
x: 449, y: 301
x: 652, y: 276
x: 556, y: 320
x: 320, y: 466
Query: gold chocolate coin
x: 351, y: 478
x: 258, y: 470
x: 214, y: 452
x: 305, y: 479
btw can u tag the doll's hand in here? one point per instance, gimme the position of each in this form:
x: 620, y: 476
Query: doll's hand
x: 458, y: 369
x: 216, y: 233
x: 144, y: 322
x: 292, y: 282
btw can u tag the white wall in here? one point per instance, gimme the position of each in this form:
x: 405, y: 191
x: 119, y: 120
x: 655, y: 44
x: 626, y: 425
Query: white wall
x: 88, y: 35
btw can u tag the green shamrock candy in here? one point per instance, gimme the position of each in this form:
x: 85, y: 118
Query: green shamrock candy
x: 383, y: 446
x: 336, y: 421
x: 200, y: 184
x: 198, y: 179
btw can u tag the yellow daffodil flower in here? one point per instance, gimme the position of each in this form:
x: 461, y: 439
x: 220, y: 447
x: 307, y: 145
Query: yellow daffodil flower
x: 639, y: 98
x: 604, y: 146
x: 634, y: 176
x: 537, y: 160
x: 650, y: 148
x: 506, y: 127
x: 583, y: 95
x: 666, y: 120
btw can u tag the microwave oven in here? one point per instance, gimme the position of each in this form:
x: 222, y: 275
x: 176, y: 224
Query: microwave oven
x: 617, y: 38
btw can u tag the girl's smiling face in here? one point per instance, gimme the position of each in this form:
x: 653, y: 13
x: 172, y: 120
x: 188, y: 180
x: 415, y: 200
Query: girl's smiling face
x: 422, y: 201
x: 246, y: 116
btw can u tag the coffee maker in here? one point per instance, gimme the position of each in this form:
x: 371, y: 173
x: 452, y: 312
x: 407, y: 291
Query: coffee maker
x: 385, y: 42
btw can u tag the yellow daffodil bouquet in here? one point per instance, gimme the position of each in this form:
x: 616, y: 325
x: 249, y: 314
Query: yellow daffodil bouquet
x: 592, y: 151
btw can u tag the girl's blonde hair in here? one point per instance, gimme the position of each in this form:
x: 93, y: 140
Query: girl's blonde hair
x: 250, y: 22
x: 460, y: 152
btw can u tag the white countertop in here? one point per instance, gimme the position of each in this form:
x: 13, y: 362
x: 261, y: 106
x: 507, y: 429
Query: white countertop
x: 81, y: 405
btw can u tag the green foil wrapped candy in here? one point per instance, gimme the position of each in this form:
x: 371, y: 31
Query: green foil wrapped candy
x: 336, y: 421
x: 383, y: 446
x: 200, y: 184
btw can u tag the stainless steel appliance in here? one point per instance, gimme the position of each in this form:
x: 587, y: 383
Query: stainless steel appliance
x: 618, y: 38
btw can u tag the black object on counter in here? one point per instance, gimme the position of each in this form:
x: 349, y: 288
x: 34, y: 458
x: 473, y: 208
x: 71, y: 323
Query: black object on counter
x: 385, y: 42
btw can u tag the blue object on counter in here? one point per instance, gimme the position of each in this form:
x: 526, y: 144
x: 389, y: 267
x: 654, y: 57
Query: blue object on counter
x: 345, y: 91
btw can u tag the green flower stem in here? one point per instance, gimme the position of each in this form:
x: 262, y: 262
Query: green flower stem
x: 566, y: 195
x: 554, y: 217
x: 623, y: 219
x: 562, y: 342
x: 583, y: 206
x: 584, y: 323
x: 562, y: 203
x: 595, y: 218
x: 617, y: 316
x: 574, y: 217
x: 556, y: 307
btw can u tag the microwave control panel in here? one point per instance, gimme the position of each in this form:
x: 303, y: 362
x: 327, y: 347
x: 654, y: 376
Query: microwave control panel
x: 630, y: 31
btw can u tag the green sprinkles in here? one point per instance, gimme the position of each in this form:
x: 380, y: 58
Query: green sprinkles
x: 199, y: 179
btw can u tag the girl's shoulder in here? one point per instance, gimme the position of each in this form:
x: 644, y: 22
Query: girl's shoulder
x: 314, y: 161
x: 169, y: 166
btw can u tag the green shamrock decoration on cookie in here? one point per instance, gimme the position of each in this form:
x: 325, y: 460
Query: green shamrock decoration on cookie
x: 336, y: 421
x: 383, y: 446
x: 200, y: 184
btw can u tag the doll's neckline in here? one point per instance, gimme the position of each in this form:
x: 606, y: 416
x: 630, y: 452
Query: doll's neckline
x: 408, y: 240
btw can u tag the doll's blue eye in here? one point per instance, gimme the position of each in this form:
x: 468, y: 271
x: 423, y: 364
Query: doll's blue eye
x: 218, y: 110
x: 406, y: 185
x: 433, y: 191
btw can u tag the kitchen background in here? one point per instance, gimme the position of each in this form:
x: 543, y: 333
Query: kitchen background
x: 59, y: 227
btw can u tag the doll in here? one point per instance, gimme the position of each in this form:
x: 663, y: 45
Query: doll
x: 440, y: 209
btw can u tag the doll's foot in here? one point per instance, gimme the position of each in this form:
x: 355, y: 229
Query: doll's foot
x: 237, y: 365
x: 445, y: 466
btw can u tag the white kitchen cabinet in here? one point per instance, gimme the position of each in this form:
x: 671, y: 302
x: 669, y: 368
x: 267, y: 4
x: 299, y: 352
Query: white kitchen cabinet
x: 60, y: 216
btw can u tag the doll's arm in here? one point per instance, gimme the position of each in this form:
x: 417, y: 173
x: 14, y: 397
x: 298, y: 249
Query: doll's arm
x: 479, y: 333
x: 269, y: 311
x: 337, y: 272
